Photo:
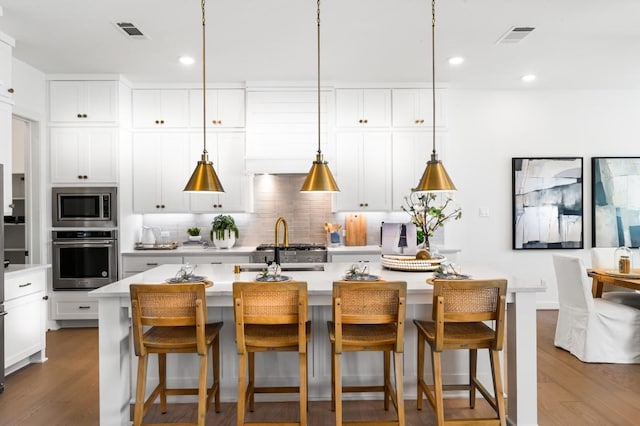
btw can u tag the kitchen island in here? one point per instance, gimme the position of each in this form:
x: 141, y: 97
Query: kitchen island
x: 117, y: 359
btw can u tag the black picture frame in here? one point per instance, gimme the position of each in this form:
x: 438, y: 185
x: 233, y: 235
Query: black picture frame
x: 615, y: 201
x: 547, y: 203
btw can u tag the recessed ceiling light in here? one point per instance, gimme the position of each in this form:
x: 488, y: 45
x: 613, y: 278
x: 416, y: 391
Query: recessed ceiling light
x: 456, y: 60
x: 528, y: 78
x: 186, y: 60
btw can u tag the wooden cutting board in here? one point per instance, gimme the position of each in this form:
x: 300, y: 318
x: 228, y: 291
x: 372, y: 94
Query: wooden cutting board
x: 355, y: 230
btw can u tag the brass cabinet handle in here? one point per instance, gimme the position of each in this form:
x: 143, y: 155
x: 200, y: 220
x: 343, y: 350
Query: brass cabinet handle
x: 24, y: 285
x: 366, y: 121
x: 10, y: 90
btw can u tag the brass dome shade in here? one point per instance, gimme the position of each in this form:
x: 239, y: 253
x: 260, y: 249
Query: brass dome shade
x: 435, y: 178
x: 319, y: 178
x: 204, y: 177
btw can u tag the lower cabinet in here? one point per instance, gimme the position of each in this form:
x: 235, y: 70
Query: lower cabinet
x: 73, y: 305
x: 132, y: 265
x: 25, y: 322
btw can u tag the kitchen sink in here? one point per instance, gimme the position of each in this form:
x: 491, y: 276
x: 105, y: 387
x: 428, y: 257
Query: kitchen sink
x: 289, y: 268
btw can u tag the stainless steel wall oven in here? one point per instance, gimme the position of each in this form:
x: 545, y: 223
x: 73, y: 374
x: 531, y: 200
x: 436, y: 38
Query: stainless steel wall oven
x: 84, y: 259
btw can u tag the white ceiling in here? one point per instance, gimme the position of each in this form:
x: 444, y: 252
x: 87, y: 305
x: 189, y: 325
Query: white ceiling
x: 576, y: 43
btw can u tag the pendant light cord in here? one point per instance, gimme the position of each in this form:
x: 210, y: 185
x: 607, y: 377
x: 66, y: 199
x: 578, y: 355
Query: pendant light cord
x: 318, y: 20
x: 204, y: 83
x: 433, y: 72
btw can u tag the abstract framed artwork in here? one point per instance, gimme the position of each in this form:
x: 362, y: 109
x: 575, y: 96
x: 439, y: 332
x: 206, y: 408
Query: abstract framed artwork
x: 615, y: 201
x: 547, y: 203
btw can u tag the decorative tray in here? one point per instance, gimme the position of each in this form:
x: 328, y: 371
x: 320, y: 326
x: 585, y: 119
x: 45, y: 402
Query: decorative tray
x: 442, y: 276
x: 272, y: 279
x: 634, y: 274
x: 361, y: 278
x: 410, y: 263
x: 168, y: 246
x: 191, y: 279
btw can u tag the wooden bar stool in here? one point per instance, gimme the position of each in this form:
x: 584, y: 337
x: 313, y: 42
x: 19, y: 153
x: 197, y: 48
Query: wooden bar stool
x: 459, y: 309
x: 177, y: 317
x: 270, y: 316
x: 368, y: 316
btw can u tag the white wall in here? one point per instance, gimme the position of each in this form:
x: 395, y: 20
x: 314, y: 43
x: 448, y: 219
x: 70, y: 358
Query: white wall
x: 488, y: 128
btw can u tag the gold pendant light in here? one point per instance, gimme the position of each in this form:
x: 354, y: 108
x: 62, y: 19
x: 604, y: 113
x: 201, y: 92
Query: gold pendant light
x: 319, y: 178
x: 435, y: 177
x: 204, y: 177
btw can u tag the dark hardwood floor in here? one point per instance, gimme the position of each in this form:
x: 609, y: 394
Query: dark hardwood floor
x: 64, y: 391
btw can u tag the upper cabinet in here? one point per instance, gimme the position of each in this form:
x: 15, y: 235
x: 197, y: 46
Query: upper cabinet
x: 75, y: 102
x: 84, y: 155
x: 363, y: 108
x: 6, y: 72
x: 160, y: 108
x: 414, y: 108
x: 225, y: 108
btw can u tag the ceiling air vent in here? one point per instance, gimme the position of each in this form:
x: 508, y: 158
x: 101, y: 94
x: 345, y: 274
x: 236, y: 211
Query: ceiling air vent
x: 130, y: 30
x: 515, y: 35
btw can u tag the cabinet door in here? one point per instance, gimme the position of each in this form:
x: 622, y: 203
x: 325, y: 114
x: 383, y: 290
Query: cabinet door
x: 411, y: 151
x: 414, y: 108
x: 24, y: 327
x: 5, y: 154
x: 160, y: 171
x: 363, y: 107
x: 160, y: 108
x: 6, y: 55
x: 83, y: 101
x: 226, y: 151
x: 83, y: 155
x: 225, y: 108
x: 364, y: 171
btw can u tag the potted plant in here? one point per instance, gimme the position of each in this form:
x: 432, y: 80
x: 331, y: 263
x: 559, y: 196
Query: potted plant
x: 194, y: 234
x: 224, y: 231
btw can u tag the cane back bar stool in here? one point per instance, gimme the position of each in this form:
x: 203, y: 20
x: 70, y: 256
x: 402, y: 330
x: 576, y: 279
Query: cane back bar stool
x: 177, y: 317
x: 270, y: 316
x: 459, y: 309
x: 368, y: 316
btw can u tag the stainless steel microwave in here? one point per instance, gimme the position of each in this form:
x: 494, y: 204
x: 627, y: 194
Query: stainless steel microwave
x: 84, y: 207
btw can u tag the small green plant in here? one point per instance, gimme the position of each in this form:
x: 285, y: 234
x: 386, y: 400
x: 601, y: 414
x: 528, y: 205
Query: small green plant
x: 221, y: 224
x: 194, y: 232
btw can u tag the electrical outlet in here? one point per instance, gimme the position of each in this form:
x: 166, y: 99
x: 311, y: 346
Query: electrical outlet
x: 483, y: 212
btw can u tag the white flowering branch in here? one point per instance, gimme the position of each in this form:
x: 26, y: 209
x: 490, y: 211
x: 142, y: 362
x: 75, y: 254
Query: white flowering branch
x: 426, y: 214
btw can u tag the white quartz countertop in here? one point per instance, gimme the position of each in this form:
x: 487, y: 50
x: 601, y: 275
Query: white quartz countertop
x: 199, y: 250
x: 319, y: 282
x: 15, y: 270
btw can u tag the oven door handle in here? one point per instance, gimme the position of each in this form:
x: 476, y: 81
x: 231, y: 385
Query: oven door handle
x: 83, y: 243
x: 3, y: 313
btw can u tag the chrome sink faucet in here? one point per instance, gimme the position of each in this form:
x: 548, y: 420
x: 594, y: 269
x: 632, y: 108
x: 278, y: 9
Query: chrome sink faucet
x: 285, y: 243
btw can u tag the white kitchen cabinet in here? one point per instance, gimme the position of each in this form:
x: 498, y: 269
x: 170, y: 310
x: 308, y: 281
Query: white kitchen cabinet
x: 225, y: 108
x: 25, y: 324
x: 363, y: 171
x: 414, y: 108
x: 73, y: 305
x: 226, y: 151
x: 83, y: 101
x: 132, y: 265
x: 217, y: 259
x: 363, y: 108
x: 84, y: 155
x: 156, y: 108
x: 6, y: 71
x: 5, y: 155
x: 161, y: 169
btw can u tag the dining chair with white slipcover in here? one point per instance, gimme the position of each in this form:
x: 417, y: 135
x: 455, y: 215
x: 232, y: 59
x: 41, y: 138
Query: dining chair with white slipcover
x: 604, y: 258
x: 593, y: 329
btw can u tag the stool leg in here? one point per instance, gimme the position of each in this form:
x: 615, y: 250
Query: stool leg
x: 497, y: 385
x: 138, y: 411
x: 386, y: 355
x: 162, y: 376
x: 338, y: 388
x: 252, y: 384
x: 242, y: 383
x: 437, y: 385
x: 302, y: 366
x: 420, y: 369
x: 333, y: 378
x: 397, y: 363
x: 215, y: 355
x: 202, y: 390
x: 473, y: 369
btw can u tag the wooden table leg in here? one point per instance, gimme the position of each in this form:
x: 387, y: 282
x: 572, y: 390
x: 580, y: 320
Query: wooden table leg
x: 596, y: 287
